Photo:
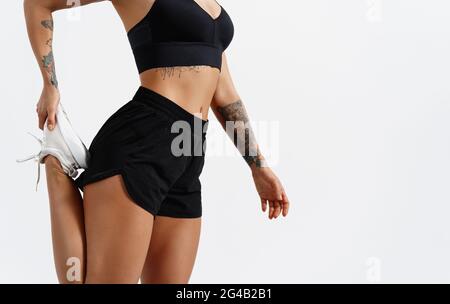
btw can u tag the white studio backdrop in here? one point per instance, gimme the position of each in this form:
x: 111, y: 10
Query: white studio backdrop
x: 359, y: 91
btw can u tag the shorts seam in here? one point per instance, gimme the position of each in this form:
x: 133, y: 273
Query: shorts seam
x: 127, y: 183
x: 118, y: 171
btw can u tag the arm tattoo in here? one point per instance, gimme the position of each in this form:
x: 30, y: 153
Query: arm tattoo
x: 48, y: 24
x: 238, y: 128
x: 48, y: 62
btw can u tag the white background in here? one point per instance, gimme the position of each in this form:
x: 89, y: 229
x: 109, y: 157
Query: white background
x: 360, y: 90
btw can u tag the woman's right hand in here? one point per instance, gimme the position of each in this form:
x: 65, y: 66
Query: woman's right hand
x: 46, y: 107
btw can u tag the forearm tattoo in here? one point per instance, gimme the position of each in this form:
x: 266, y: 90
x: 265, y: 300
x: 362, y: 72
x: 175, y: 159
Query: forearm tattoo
x: 238, y: 128
x: 48, y: 24
x: 48, y: 62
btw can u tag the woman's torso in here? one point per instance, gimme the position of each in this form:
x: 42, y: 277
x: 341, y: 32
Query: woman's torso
x: 192, y: 87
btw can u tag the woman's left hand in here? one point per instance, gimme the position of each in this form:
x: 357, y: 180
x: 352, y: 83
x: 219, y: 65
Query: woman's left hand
x: 271, y: 192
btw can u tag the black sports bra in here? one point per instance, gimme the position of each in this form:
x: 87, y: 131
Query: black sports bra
x: 180, y: 33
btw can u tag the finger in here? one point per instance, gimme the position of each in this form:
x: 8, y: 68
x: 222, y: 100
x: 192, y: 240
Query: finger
x: 264, y: 204
x: 285, y: 208
x: 285, y: 204
x: 271, y: 209
x: 51, y: 120
x: 280, y: 195
x: 277, y: 210
x: 42, y: 118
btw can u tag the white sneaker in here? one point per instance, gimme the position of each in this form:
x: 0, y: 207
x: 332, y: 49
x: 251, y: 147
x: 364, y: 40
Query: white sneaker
x: 64, y: 144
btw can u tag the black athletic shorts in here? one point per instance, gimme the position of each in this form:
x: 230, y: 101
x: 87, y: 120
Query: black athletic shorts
x: 158, y: 148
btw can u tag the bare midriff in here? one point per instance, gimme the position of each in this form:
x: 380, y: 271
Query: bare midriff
x: 191, y: 87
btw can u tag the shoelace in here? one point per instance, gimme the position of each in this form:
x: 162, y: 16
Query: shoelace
x: 72, y: 169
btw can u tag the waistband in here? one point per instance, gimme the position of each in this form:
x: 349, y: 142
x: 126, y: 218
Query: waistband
x: 169, y: 108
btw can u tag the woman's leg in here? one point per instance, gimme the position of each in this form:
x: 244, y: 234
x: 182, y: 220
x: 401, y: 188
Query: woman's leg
x: 118, y: 233
x: 172, y: 250
x: 67, y: 222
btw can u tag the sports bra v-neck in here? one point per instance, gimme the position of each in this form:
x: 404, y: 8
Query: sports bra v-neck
x: 180, y: 33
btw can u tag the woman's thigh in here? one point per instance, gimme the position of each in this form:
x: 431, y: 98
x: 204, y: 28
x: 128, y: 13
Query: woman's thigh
x: 118, y: 233
x: 67, y: 222
x: 172, y: 251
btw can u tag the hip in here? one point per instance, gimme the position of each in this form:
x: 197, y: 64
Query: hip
x: 153, y: 120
